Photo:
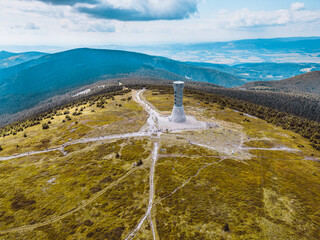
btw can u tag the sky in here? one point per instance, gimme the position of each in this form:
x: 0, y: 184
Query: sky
x: 74, y: 23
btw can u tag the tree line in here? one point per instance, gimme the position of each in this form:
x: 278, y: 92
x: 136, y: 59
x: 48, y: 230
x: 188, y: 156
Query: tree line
x: 20, y: 126
x: 298, y: 113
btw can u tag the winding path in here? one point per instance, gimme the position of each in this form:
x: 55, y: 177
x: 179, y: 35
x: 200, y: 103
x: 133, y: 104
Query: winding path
x: 151, y: 194
x: 153, y: 128
x: 83, y: 140
x: 189, y: 179
x: 151, y: 131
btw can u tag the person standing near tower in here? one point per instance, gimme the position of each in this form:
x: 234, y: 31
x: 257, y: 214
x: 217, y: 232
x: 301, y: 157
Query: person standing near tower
x: 178, y: 114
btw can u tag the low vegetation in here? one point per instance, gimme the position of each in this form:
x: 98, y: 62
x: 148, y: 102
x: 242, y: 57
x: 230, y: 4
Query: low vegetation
x: 47, y: 186
x: 242, y: 178
x: 102, y: 121
x: 256, y: 196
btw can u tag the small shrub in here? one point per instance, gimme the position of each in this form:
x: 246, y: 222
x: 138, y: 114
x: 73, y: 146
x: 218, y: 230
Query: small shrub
x: 88, y: 223
x: 45, y: 126
x: 226, y: 227
x: 20, y: 202
x: 68, y: 117
x: 95, y: 189
x: 139, y: 163
x: 1, y: 148
x: 90, y: 234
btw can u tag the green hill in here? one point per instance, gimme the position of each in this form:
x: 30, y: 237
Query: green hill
x: 8, y: 59
x: 24, y: 85
x: 306, y: 83
x: 89, y: 170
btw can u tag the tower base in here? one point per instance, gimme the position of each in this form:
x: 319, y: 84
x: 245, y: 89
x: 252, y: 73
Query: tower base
x: 178, y: 115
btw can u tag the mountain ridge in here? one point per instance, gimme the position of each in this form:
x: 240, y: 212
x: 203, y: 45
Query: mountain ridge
x: 307, y: 83
x: 9, y: 59
x: 26, y: 84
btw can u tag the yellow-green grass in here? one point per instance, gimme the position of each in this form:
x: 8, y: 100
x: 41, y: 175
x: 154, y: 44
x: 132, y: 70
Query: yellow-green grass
x: 145, y: 232
x: 264, y: 199
x: 163, y: 102
x: 277, y: 155
x: 38, y: 188
x: 272, y: 196
x: 112, y: 216
x: 177, y: 170
x: 266, y: 195
x: 103, y: 121
x: 259, y: 144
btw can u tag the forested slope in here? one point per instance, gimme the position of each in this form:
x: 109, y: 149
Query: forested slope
x: 25, y: 85
x: 308, y: 83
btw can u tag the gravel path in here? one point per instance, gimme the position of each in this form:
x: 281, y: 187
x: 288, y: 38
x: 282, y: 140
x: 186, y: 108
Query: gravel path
x: 151, y: 194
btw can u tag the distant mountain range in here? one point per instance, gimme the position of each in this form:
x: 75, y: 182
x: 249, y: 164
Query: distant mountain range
x: 8, y: 59
x: 24, y: 85
x: 262, y: 71
x: 29, y: 78
x: 277, y: 50
x: 307, y: 83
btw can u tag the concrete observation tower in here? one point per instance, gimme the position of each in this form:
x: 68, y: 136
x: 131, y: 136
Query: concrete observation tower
x: 178, y: 114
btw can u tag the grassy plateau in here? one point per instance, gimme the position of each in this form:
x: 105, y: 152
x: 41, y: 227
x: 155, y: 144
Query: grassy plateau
x: 241, y: 178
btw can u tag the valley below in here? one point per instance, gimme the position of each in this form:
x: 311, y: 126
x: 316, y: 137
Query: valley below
x: 103, y: 168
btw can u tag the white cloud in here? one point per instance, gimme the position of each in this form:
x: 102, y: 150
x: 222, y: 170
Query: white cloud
x: 132, y: 10
x: 297, y: 6
x: 140, y: 10
x: 30, y: 26
x: 63, y: 25
x: 245, y: 18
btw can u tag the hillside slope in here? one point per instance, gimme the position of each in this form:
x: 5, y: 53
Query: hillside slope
x: 24, y: 85
x: 264, y: 71
x: 308, y: 83
x: 5, y: 54
x: 277, y: 50
x: 86, y: 176
x: 8, y: 59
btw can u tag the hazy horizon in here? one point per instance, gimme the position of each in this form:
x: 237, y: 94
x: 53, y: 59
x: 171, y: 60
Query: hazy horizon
x: 89, y: 23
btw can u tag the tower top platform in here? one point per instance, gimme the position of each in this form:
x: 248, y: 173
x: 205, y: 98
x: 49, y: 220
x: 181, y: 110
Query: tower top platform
x: 178, y: 82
